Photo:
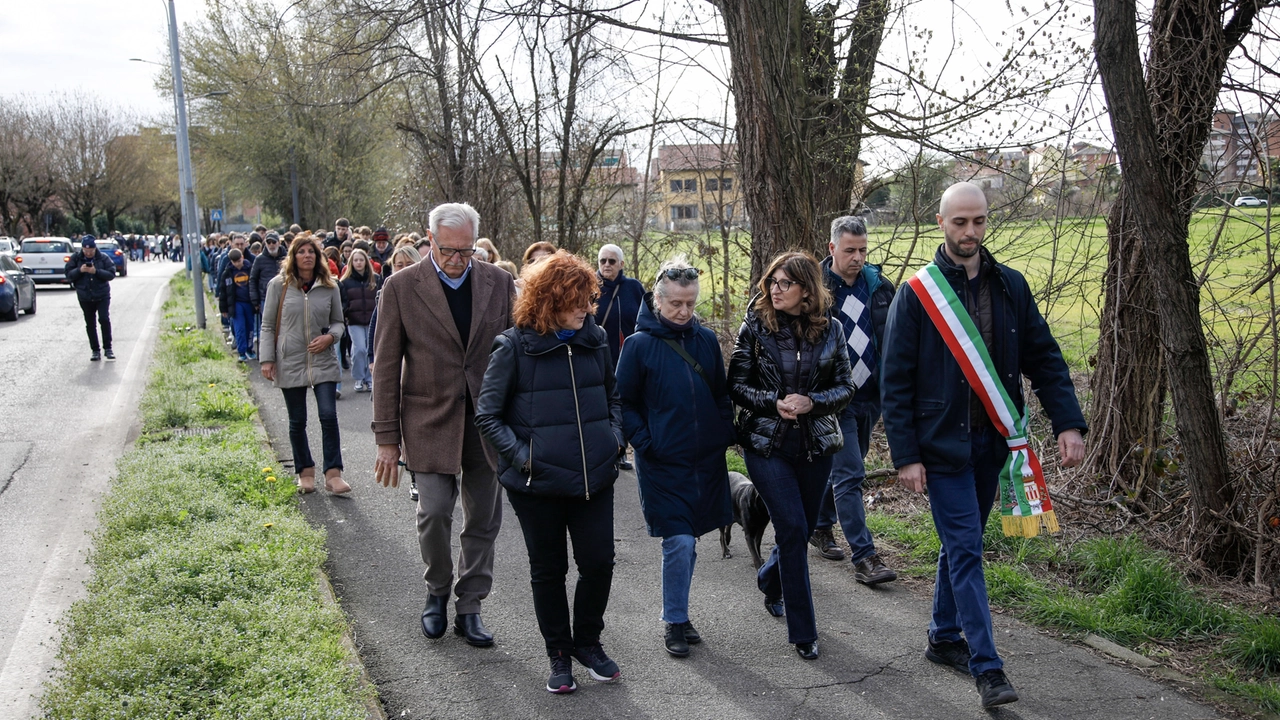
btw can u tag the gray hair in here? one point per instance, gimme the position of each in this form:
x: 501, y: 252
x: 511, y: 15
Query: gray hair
x: 614, y: 249
x: 676, y: 263
x: 482, y: 254
x: 851, y: 224
x: 455, y: 215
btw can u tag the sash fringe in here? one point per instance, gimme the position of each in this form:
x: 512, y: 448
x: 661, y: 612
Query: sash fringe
x: 1028, y: 526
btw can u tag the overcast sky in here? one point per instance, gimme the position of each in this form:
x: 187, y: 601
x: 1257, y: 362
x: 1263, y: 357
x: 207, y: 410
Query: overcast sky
x: 84, y: 45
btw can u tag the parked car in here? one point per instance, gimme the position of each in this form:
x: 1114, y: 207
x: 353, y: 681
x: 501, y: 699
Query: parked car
x: 8, y: 246
x: 17, y: 290
x: 118, y: 255
x: 1250, y: 201
x: 45, y: 259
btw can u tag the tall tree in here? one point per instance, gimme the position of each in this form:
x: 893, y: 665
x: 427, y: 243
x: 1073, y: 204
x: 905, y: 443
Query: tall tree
x: 1160, y: 124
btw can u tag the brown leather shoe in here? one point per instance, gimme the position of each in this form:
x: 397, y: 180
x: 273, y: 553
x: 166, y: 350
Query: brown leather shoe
x: 871, y: 570
x: 825, y: 542
x: 334, y: 483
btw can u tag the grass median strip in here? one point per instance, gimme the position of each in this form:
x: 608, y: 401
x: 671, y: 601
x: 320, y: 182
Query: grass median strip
x: 204, y: 599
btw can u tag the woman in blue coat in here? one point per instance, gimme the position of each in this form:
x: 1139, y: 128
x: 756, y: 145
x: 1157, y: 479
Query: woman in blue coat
x: 677, y: 414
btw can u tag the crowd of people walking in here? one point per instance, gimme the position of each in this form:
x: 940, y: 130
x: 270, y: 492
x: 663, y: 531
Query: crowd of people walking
x: 542, y: 381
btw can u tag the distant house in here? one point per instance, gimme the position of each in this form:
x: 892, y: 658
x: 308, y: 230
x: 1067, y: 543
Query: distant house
x: 1240, y: 148
x: 698, y: 187
x: 991, y: 169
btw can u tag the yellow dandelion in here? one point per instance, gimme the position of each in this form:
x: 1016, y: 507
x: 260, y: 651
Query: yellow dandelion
x: 266, y: 471
x: 271, y: 478
x: 213, y: 384
x: 267, y: 525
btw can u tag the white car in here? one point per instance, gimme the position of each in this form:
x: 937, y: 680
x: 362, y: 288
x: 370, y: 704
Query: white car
x: 8, y: 246
x: 1250, y: 201
x: 45, y: 259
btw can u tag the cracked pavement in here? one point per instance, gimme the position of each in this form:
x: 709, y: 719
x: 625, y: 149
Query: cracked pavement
x: 872, y: 640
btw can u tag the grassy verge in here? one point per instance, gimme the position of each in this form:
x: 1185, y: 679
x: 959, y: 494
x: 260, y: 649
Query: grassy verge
x: 1117, y: 588
x: 204, y: 600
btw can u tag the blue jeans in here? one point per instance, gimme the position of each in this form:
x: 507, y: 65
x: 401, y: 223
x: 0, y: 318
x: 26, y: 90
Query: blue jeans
x: 843, y: 496
x: 360, y: 353
x: 679, y: 555
x: 295, y: 400
x: 242, y: 327
x: 791, y: 488
x: 961, y: 503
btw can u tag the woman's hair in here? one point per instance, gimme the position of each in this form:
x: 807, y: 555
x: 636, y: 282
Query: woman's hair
x: 489, y: 247
x: 536, y: 247
x: 331, y: 252
x: 556, y: 285
x: 509, y: 267
x: 802, y: 268
x: 290, y: 268
x: 256, y: 248
x: 408, y: 251
x: 663, y: 282
x: 371, y: 278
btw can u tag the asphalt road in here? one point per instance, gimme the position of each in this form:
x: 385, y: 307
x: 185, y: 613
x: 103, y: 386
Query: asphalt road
x: 63, y: 423
x: 871, y: 640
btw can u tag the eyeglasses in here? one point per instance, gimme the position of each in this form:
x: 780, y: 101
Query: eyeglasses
x: 783, y: 285
x: 678, y: 274
x: 449, y: 252
x: 608, y: 261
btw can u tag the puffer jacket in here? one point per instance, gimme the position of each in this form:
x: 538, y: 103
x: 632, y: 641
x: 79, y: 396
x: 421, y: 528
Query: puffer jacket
x: 554, y: 405
x: 91, y: 287
x: 265, y: 267
x: 305, y: 316
x: 756, y: 384
x: 358, y: 301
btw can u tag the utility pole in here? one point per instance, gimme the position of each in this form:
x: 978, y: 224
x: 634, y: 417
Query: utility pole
x: 186, y: 179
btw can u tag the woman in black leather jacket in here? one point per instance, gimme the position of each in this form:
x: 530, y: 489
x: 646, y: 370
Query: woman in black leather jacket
x: 790, y: 378
x: 550, y: 408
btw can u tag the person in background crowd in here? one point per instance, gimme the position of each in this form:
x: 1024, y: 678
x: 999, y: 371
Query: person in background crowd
x: 255, y: 249
x: 678, y: 416
x: 89, y: 271
x: 402, y: 258
x: 331, y: 255
x: 620, y: 300
x: 536, y: 252
x: 345, y: 252
x: 360, y: 286
x: 550, y: 407
x: 790, y: 378
x: 861, y: 298
x: 302, y: 320
x: 489, y: 248
x: 422, y: 245
x: 509, y: 267
x: 382, y: 249
x: 437, y: 321
x: 265, y: 267
x: 296, y: 229
x: 341, y: 233
x: 236, y: 302
x: 940, y: 436
x: 482, y: 255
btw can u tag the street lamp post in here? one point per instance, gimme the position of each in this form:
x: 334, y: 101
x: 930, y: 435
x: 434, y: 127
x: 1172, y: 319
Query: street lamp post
x: 186, y: 179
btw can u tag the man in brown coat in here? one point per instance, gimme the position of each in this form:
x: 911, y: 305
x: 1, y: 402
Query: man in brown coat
x: 436, y: 324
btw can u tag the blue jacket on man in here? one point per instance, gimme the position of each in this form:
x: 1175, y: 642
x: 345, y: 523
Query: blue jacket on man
x: 91, y: 287
x: 924, y: 393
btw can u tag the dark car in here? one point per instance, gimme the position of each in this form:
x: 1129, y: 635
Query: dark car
x: 118, y: 255
x: 17, y: 290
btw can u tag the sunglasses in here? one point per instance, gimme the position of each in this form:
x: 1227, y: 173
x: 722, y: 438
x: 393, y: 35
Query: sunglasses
x: 608, y: 261
x: 783, y: 285
x: 678, y: 274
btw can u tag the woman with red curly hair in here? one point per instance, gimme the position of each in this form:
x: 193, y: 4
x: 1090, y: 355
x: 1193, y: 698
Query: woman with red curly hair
x: 549, y: 406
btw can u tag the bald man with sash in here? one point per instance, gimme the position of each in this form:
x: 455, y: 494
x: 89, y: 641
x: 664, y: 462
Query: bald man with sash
x: 960, y: 337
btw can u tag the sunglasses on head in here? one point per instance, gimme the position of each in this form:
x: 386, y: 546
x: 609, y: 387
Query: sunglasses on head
x: 608, y: 261
x: 678, y: 274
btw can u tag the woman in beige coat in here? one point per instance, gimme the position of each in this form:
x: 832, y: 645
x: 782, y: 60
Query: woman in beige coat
x: 301, y: 322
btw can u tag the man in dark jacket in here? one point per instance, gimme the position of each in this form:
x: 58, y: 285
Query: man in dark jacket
x: 382, y: 251
x: 236, y: 304
x: 941, y: 437
x: 265, y: 267
x: 861, y: 297
x: 90, y: 271
x: 620, y: 300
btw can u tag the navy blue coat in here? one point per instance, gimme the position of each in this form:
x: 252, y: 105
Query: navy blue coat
x: 924, y: 394
x: 619, y: 319
x: 91, y: 287
x: 679, y: 426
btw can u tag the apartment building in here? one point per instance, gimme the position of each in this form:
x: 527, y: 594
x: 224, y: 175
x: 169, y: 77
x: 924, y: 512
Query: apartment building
x: 697, y: 187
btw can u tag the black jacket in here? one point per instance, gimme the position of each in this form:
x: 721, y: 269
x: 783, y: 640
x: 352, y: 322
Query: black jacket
x: 616, y: 311
x: 358, y: 301
x: 265, y: 267
x: 236, y: 287
x: 91, y: 287
x: 554, y: 405
x: 924, y: 394
x: 756, y: 385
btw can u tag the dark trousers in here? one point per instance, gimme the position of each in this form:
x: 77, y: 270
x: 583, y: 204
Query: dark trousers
x: 961, y: 503
x: 791, y: 487
x: 842, y: 500
x: 295, y: 400
x: 589, y: 524
x: 96, y: 312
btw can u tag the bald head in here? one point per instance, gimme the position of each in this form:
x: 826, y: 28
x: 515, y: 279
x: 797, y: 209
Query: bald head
x: 962, y: 192
x: 962, y: 215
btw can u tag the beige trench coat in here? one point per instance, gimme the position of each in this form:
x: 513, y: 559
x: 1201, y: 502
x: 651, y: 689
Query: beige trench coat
x: 303, y: 318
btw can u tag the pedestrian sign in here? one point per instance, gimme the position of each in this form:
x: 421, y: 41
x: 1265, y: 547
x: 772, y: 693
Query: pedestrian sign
x: 215, y: 215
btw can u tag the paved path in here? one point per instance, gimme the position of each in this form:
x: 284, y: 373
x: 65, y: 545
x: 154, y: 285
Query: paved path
x: 871, y: 640
x: 65, y: 422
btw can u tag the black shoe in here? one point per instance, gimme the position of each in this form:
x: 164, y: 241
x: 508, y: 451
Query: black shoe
x: 110, y: 355
x: 413, y: 489
x: 952, y: 654
x: 469, y: 626
x: 775, y: 606
x: 601, y: 667
x: 95, y: 357
x: 435, y: 619
x: 826, y: 544
x: 808, y: 651
x: 561, y: 680
x: 995, y: 689
x: 690, y: 634
x: 625, y: 464
x: 871, y: 570
x: 677, y: 644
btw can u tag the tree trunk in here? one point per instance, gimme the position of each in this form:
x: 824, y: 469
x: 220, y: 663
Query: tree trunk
x: 1160, y: 125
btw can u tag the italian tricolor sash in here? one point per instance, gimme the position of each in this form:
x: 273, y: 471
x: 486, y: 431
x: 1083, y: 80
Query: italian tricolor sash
x: 1024, y: 497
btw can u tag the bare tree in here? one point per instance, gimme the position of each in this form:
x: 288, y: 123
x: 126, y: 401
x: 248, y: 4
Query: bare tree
x: 27, y: 178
